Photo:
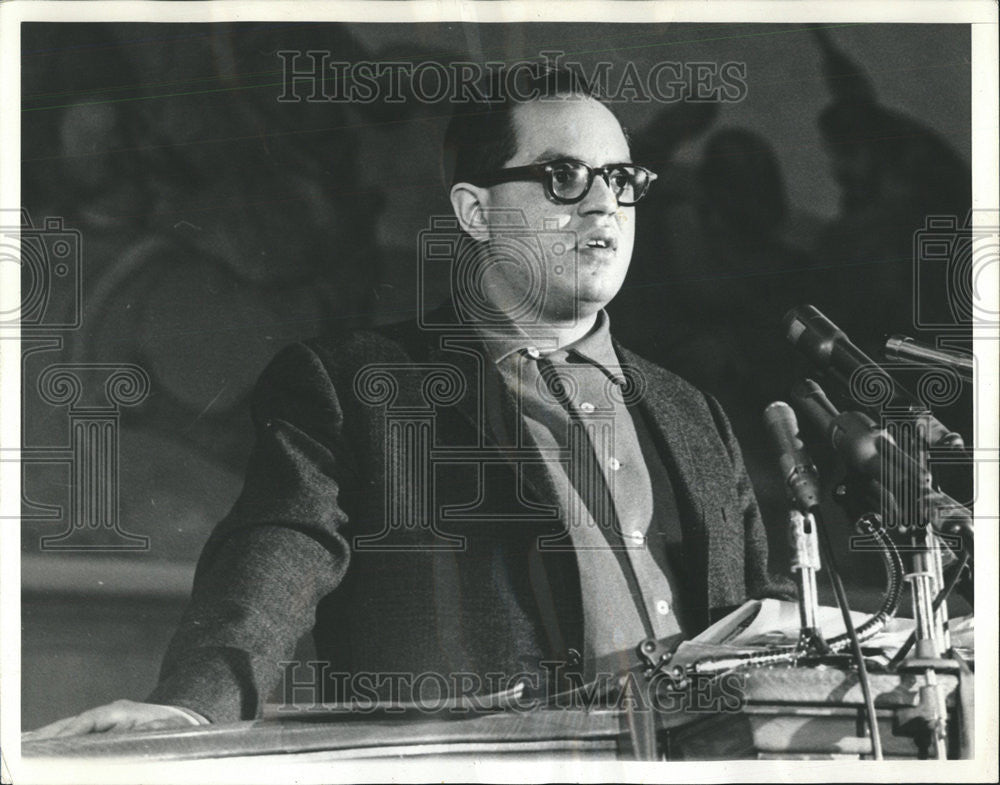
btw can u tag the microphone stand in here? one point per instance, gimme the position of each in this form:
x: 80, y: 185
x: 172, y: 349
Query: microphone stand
x: 928, y: 721
x: 908, y: 507
x: 805, y: 563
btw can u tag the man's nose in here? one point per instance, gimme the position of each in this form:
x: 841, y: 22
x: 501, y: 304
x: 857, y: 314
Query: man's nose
x: 600, y: 198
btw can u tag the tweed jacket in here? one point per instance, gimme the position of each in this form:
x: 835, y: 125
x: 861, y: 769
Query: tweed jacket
x: 381, y: 514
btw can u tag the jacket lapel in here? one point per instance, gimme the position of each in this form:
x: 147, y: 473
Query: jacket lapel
x: 490, y: 409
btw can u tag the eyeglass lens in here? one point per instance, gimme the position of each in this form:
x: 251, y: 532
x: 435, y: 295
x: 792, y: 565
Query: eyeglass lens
x: 570, y: 181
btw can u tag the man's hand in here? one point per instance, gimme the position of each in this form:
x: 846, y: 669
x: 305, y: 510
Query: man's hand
x: 119, y: 717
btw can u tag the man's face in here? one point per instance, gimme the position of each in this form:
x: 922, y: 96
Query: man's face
x: 567, y: 127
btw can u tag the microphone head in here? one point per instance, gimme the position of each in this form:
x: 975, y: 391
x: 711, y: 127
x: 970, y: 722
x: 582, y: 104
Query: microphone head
x: 797, y: 468
x: 808, y: 393
x: 809, y: 331
x: 783, y: 426
x: 780, y: 413
x: 892, y: 346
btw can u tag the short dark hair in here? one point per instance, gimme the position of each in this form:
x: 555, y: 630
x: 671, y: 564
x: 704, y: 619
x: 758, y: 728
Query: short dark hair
x: 481, y: 136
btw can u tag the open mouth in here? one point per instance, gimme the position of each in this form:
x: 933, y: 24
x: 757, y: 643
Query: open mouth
x: 600, y: 242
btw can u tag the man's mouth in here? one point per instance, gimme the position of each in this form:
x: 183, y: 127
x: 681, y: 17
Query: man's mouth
x: 600, y: 242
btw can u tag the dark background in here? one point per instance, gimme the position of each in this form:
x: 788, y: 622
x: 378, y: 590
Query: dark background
x: 218, y: 224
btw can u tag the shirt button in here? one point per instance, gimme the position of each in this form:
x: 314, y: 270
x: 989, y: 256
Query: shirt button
x: 662, y: 607
x: 587, y: 407
x: 614, y: 464
x: 637, y: 536
x: 533, y: 352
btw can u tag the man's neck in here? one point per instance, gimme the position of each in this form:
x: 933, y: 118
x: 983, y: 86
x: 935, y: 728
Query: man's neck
x: 548, y: 335
x: 561, y: 333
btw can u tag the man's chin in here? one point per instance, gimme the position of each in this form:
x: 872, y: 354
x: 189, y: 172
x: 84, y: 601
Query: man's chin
x: 592, y: 296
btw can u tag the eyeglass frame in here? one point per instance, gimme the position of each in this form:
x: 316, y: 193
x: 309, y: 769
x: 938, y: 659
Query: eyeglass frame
x: 543, y: 173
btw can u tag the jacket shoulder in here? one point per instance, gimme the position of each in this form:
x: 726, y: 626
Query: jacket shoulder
x: 661, y: 382
x: 689, y: 409
x: 322, y: 370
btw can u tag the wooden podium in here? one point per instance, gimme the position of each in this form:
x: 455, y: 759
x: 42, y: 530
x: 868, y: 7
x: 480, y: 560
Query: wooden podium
x: 814, y: 712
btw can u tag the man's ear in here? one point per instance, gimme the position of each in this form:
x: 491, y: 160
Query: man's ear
x: 468, y: 202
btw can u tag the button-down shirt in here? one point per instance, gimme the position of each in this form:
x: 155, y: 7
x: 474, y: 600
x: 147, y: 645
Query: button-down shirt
x: 611, y: 485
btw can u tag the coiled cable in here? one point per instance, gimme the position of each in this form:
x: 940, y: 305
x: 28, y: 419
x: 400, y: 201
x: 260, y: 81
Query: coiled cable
x: 874, y: 624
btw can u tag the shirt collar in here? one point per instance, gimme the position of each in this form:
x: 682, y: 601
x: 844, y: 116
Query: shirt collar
x: 595, y: 347
x: 507, y: 338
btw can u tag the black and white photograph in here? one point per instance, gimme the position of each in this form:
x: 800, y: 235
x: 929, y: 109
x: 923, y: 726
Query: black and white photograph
x: 488, y: 391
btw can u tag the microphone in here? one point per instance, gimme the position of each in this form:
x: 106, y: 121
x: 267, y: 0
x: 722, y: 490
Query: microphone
x: 828, y: 348
x: 802, y: 481
x: 902, y: 347
x: 798, y: 470
x: 871, y: 451
x: 864, y: 447
x: 813, y: 401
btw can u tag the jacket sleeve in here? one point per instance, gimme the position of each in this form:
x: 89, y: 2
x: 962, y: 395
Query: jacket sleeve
x: 759, y: 580
x: 277, y: 553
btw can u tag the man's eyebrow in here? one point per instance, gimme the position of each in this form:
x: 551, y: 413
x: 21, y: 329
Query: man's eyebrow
x: 551, y: 155
x: 558, y: 155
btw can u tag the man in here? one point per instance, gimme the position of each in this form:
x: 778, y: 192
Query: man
x: 498, y: 493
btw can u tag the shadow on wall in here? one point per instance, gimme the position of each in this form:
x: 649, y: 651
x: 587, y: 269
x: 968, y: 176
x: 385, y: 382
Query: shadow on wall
x: 722, y: 257
x: 217, y: 225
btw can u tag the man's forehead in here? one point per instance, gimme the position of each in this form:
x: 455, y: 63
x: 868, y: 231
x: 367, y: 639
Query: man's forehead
x: 570, y: 126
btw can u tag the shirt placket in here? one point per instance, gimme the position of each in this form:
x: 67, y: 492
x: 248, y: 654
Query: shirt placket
x: 598, y: 398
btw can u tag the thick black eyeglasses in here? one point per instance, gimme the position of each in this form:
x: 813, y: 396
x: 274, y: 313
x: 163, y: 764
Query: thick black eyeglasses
x: 568, y: 181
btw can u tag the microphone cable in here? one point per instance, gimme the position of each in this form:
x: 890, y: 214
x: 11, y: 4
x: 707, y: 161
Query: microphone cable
x: 859, y: 658
x: 868, y: 629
